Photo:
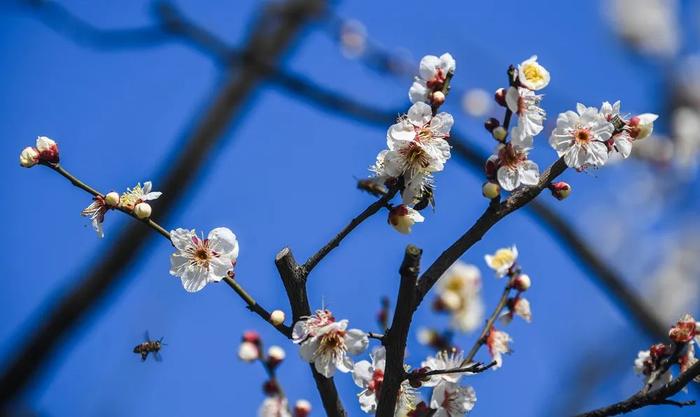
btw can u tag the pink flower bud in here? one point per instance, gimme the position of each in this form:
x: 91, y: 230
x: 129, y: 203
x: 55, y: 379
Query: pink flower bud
x: 490, y: 190
x: 302, y: 408
x: 248, y: 352
x: 48, y: 150
x: 640, y: 127
x: 560, y: 190
x: 521, y: 282
x: 28, y: 157
x: 491, y: 123
x: 275, y: 355
x: 402, y: 218
x: 500, y: 97
x: 143, y: 210
x: 251, y: 336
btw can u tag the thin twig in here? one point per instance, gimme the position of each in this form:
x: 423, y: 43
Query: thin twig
x: 488, y: 326
x: 474, y: 368
x: 658, y: 396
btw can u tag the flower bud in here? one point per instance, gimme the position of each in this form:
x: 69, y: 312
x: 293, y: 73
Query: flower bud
x: 277, y: 317
x: 491, y: 167
x: 521, y: 282
x: 302, y: 408
x: 48, y: 150
x: 500, y: 97
x: 490, y: 190
x: 248, y: 352
x: 491, y: 123
x: 251, y: 336
x: 402, y: 218
x: 640, y: 127
x: 112, y: 199
x: 499, y: 133
x: 143, y: 210
x: 275, y: 355
x: 438, y: 98
x: 28, y: 157
x: 560, y: 190
x: 270, y: 387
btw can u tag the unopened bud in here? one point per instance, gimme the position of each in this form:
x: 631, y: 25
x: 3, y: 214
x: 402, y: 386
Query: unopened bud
x: 112, y: 199
x: 28, y: 157
x: 251, y: 336
x: 499, y: 133
x: 248, y: 352
x: 277, y: 317
x: 560, y: 190
x: 640, y: 127
x: 402, y: 218
x: 438, y: 98
x: 143, y: 210
x: 270, y: 387
x: 275, y: 355
x: 491, y: 167
x: 490, y: 190
x: 500, y: 97
x: 521, y: 282
x: 48, y: 150
x: 491, y: 123
x: 302, y: 408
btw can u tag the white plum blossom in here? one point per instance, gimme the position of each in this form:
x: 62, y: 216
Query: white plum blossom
x: 138, y: 194
x: 532, y: 75
x: 369, y: 376
x: 498, y: 343
x: 514, y: 169
x: 96, y: 212
x: 327, y: 343
x: 441, y: 361
x: 503, y: 260
x: 459, y: 291
x: 644, y: 365
x: 417, y: 142
x: 518, y: 306
x: 580, y: 137
x: 452, y: 400
x: 620, y: 141
x: 433, y: 74
x: 526, y: 105
x: 199, y: 261
x: 402, y: 218
x: 274, y: 406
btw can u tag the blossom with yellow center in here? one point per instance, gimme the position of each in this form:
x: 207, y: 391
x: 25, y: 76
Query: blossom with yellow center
x: 532, y: 75
x: 503, y: 260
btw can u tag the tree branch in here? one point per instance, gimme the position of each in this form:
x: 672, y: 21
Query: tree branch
x: 658, y: 396
x: 294, y: 282
x: 488, y: 326
x: 395, y: 339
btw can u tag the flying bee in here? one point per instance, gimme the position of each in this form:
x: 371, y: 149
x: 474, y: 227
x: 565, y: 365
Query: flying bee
x: 149, y: 346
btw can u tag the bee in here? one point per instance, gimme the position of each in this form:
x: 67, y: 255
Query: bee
x: 149, y: 346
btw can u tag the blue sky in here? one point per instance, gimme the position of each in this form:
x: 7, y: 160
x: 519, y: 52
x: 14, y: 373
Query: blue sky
x: 284, y: 175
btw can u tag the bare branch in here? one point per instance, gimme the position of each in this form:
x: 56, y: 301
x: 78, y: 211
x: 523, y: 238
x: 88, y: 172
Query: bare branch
x: 395, y: 339
x: 488, y: 326
x: 474, y: 368
x: 658, y: 396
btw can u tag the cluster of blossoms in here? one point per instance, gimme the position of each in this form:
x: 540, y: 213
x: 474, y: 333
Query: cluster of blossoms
x: 504, y: 263
x: 134, y: 200
x: 459, y: 295
x: 327, y: 343
x: 275, y: 403
x: 655, y: 364
x: 45, y: 151
x: 417, y: 143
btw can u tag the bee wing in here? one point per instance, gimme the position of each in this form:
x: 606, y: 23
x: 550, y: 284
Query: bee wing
x: 157, y: 357
x: 146, y: 336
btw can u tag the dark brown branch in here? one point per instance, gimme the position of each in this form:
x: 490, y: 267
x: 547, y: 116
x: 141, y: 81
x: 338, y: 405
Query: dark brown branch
x: 270, y: 37
x: 658, y: 396
x: 395, y: 339
x: 294, y: 282
x: 474, y: 368
x: 366, y: 213
x: 490, y: 217
x: 256, y: 308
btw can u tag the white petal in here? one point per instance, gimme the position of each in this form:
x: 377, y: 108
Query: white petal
x: 418, y: 91
x: 529, y: 173
x: 324, y: 365
x: 223, y: 240
x: 442, y: 123
x: 508, y: 178
x: 420, y: 114
x: 151, y: 196
x: 177, y: 264
x: 308, y: 349
x: 181, y: 238
x: 513, y: 99
x: 194, y: 278
x: 428, y: 66
x: 362, y: 373
x: 356, y: 341
x: 368, y: 401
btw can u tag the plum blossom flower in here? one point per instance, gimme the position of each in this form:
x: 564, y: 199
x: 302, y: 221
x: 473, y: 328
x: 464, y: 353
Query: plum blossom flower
x: 369, y: 376
x: 459, y: 292
x: 532, y: 75
x: 433, y: 73
x: 503, y: 260
x: 498, y: 343
x: 199, y: 261
x: 96, y: 212
x: 274, y: 406
x: 648, y: 364
x: 416, y: 187
x: 526, y: 105
x: 417, y: 142
x: 326, y: 343
x: 46, y: 150
x: 452, y: 400
x: 138, y: 194
x: 517, y: 306
x: 441, y: 361
x: 685, y: 330
x: 402, y: 218
x: 621, y: 141
x: 580, y: 137
x: 514, y: 169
